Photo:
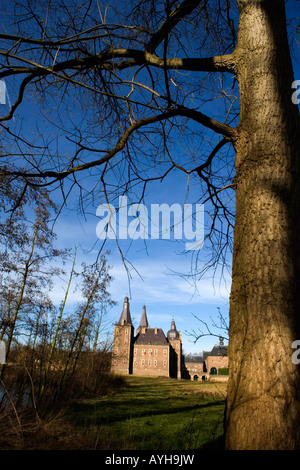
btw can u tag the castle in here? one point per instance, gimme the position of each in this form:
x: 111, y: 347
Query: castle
x: 152, y: 353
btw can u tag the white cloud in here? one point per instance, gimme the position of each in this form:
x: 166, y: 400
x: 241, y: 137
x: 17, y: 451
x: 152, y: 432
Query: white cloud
x: 158, y: 285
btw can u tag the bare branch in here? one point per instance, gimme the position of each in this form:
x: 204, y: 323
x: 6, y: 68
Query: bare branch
x: 225, y: 63
x: 197, y: 116
x: 180, y: 12
x: 202, y: 167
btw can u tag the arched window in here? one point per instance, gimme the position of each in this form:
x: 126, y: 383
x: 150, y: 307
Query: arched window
x: 213, y: 371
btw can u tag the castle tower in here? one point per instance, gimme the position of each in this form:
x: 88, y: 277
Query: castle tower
x: 123, y: 342
x: 174, y: 338
x: 144, y: 321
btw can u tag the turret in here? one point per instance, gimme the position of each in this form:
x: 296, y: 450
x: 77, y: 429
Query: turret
x: 144, y: 321
x: 174, y: 338
x: 125, y: 318
x: 122, y: 354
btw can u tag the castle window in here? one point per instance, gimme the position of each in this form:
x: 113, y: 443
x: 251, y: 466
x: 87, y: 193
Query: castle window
x: 150, y: 352
x: 155, y: 352
x: 149, y: 362
x: 143, y: 362
x: 165, y: 363
x: 165, y: 352
x: 126, y: 332
x: 143, y: 352
x: 135, y: 351
x: 155, y: 362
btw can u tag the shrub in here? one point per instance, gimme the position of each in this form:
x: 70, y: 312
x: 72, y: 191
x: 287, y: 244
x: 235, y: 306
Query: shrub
x: 223, y: 371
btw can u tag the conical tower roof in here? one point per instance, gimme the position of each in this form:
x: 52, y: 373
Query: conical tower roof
x: 125, y: 318
x: 144, y: 320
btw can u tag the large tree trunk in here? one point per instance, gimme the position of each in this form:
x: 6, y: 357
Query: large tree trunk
x: 263, y: 408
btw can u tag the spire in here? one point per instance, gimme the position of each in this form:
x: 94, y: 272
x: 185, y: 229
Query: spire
x: 173, y: 333
x: 144, y: 320
x: 125, y: 318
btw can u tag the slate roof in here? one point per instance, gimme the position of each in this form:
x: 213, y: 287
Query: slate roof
x: 173, y: 333
x: 217, y: 350
x: 150, y: 337
x: 144, y: 320
x: 125, y: 318
x: 195, y: 359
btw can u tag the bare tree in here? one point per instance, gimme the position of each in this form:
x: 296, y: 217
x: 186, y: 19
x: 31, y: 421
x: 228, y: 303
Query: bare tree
x: 145, y: 79
x: 60, y: 316
x: 94, y: 284
x: 23, y: 279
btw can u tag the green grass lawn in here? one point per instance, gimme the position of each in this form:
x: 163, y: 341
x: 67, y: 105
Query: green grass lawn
x: 154, y: 414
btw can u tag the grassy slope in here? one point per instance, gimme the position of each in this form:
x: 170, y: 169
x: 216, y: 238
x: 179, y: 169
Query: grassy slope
x: 153, y: 414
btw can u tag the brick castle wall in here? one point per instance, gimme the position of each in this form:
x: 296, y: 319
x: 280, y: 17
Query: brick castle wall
x: 151, y: 360
x: 122, y: 350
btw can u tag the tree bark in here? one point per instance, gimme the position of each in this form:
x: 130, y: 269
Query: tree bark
x: 263, y: 407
